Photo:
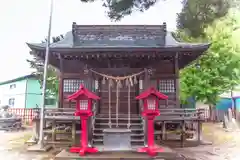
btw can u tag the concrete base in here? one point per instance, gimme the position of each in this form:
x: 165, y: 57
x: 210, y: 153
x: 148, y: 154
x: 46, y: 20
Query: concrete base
x: 32, y: 141
x: 167, y: 155
x: 116, y: 139
x: 38, y: 148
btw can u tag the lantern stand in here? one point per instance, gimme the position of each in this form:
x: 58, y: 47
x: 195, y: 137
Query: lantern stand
x: 83, y: 98
x: 151, y: 99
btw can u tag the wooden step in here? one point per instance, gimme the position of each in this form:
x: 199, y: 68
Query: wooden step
x: 119, y: 115
x: 120, y: 120
x: 132, y: 140
x: 132, y: 134
x: 132, y: 129
x: 120, y: 124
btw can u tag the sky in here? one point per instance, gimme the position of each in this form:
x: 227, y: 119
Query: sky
x: 27, y: 21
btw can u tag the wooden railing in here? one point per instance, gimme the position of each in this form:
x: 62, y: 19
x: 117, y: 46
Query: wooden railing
x: 185, y: 122
x: 182, y: 117
x: 186, y: 114
x: 64, y: 116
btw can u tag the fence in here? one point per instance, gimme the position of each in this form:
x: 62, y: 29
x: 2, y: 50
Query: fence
x: 26, y: 114
x: 207, y: 114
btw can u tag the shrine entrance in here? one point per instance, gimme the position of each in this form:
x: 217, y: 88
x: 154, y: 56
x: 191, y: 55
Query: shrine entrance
x: 118, y: 93
x: 109, y: 99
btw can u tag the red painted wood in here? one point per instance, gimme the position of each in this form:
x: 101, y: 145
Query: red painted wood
x: 150, y: 114
x: 83, y: 94
x: 152, y: 91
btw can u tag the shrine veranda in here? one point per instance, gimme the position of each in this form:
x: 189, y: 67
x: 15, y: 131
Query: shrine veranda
x: 117, y: 63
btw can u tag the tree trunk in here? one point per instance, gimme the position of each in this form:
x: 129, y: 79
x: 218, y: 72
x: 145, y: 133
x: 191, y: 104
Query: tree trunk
x: 211, y: 111
x: 233, y: 105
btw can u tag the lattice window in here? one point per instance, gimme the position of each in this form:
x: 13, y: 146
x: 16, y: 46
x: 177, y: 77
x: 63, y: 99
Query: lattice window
x: 83, y: 104
x: 166, y: 86
x: 71, y: 85
x: 151, y: 104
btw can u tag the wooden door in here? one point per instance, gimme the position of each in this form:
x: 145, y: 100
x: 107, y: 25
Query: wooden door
x: 123, y: 99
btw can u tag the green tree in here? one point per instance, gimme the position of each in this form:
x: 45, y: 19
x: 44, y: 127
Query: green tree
x: 219, y: 67
x: 197, y: 14
x: 193, y: 17
x: 38, y: 65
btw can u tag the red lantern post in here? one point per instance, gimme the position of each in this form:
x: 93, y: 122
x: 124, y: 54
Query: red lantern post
x: 151, y: 99
x: 83, y: 98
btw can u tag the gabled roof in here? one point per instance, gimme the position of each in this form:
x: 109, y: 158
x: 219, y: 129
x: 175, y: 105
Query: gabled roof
x: 118, y: 36
x: 83, y: 92
x: 18, y: 79
x: 151, y: 91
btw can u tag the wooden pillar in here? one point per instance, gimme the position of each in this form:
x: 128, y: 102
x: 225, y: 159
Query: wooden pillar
x: 60, y: 89
x: 163, y: 130
x: 96, y: 86
x: 73, y: 133
x: 177, y: 87
x: 145, y: 85
x: 90, y: 81
x: 54, y: 131
x: 146, y: 79
x: 89, y: 120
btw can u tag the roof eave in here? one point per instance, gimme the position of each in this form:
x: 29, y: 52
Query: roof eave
x: 202, y: 47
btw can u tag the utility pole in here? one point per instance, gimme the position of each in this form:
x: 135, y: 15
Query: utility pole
x: 41, y: 136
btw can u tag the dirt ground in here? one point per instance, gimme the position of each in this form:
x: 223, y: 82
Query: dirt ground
x: 226, y: 146
x: 13, y: 147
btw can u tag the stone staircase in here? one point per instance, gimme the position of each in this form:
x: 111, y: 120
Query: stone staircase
x: 101, y: 123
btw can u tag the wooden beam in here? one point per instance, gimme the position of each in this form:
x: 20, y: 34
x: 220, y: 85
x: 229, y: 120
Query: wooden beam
x: 116, y: 54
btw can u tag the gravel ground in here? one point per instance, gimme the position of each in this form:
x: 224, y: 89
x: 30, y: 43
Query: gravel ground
x: 226, y: 146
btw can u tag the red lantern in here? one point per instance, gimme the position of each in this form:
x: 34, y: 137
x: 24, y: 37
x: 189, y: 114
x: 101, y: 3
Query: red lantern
x: 151, y: 99
x: 83, y: 98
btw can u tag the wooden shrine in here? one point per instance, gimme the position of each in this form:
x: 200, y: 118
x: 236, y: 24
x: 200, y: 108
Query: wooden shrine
x: 117, y: 63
